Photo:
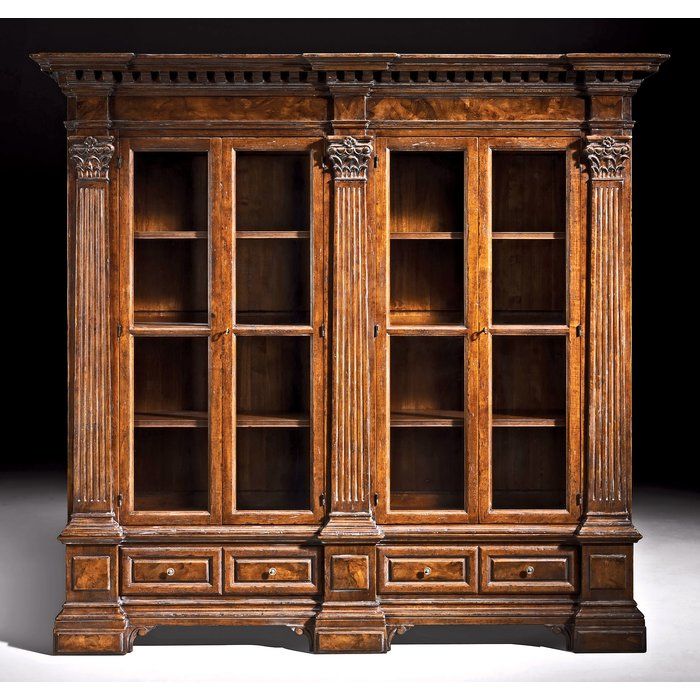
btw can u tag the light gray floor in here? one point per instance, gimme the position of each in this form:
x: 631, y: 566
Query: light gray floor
x: 667, y: 571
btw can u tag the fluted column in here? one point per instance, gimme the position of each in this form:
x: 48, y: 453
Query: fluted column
x: 351, y: 342
x: 609, y: 454
x: 92, y: 496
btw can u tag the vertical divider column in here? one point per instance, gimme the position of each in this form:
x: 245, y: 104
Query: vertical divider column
x: 350, y: 619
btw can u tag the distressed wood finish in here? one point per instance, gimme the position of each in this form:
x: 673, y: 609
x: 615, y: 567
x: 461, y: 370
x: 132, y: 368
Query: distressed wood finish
x: 349, y: 345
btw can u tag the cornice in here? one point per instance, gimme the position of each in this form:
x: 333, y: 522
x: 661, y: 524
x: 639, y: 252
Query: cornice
x: 322, y: 73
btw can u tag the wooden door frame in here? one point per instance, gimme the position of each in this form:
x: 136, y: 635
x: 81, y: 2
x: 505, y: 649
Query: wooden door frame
x: 315, y: 331
x: 571, y: 330
x: 125, y: 424
x: 381, y: 476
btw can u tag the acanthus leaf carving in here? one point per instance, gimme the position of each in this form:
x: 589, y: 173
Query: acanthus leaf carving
x: 91, y: 157
x: 349, y: 157
x: 607, y: 157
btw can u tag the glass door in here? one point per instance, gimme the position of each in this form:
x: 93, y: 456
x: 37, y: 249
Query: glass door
x: 169, y: 363
x: 426, y: 437
x: 275, y: 377
x: 530, y: 333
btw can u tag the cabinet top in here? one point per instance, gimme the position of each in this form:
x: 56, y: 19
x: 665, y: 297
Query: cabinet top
x: 619, y: 73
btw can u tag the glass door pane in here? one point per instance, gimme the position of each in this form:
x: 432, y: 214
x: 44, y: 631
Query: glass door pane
x: 170, y: 345
x: 426, y: 333
x: 274, y: 347
x: 529, y: 331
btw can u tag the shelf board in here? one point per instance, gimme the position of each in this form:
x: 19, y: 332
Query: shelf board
x: 169, y: 235
x: 528, y: 420
x: 157, y: 329
x: 426, y: 418
x: 273, y: 234
x: 272, y: 420
x: 529, y: 329
x: 532, y: 235
x: 507, y: 317
x: 171, y: 419
x: 428, y: 330
x: 426, y: 500
x: 423, y: 317
x: 272, y: 318
x: 426, y: 235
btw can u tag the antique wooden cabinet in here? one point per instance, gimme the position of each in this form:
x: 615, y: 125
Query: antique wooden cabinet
x: 349, y: 345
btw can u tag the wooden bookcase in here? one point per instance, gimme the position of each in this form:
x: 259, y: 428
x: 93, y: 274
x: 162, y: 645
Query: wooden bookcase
x: 349, y: 342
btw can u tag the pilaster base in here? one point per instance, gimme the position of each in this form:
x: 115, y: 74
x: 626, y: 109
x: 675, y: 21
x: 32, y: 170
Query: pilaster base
x: 351, y: 528
x: 92, y: 628
x: 357, y: 628
x: 604, y: 527
x: 608, y: 626
x: 97, y: 528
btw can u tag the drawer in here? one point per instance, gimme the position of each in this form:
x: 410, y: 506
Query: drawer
x: 528, y: 569
x: 286, y: 570
x: 156, y: 570
x: 427, y: 570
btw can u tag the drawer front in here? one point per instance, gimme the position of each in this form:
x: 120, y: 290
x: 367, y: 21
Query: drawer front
x: 171, y: 570
x: 285, y: 570
x: 536, y: 569
x: 427, y: 570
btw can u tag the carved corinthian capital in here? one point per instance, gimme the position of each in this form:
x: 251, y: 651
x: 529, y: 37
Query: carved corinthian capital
x: 349, y: 157
x: 607, y: 156
x: 91, y: 157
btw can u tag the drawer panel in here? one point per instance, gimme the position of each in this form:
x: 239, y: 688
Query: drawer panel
x: 286, y: 570
x: 529, y: 569
x: 157, y: 570
x: 427, y: 570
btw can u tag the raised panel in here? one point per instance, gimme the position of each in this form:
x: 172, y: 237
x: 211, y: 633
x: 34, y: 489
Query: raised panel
x: 289, y: 570
x: 528, y: 569
x: 427, y: 569
x: 91, y: 573
x: 349, y: 572
x: 608, y: 571
x: 171, y: 570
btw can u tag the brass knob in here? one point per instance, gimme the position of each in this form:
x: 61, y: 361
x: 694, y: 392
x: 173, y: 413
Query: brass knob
x: 530, y: 570
x: 170, y: 571
x: 272, y: 571
x: 427, y: 571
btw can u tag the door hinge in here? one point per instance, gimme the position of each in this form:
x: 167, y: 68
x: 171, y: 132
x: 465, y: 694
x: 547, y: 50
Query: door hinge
x: 376, y: 161
x: 119, y: 162
x: 578, y: 499
x: 322, y: 500
x: 322, y: 330
x: 119, y: 501
x: 579, y: 331
x: 376, y: 330
x: 119, y: 330
x: 375, y: 499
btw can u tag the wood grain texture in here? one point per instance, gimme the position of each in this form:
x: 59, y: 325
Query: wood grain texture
x: 310, y: 293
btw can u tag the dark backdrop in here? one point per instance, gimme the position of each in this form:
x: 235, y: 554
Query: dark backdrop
x: 32, y: 226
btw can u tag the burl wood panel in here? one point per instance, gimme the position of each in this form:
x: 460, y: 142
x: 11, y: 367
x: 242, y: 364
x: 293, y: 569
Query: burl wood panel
x: 277, y: 109
x: 476, y: 109
x: 91, y: 573
x: 349, y: 572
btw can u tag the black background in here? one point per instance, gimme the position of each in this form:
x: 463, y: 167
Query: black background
x: 32, y: 222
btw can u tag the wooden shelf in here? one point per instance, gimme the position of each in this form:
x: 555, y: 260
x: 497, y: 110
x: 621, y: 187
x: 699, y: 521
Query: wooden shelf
x: 428, y: 330
x: 273, y: 318
x: 426, y: 235
x: 273, y: 234
x: 426, y: 500
x: 160, y: 329
x: 528, y: 318
x: 529, y: 329
x: 426, y: 418
x: 172, y: 419
x: 528, y: 420
x: 272, y: 420
x: 170, y: 235
x: 532, y: 235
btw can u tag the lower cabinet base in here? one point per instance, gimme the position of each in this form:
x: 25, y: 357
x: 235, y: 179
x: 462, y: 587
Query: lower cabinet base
x: 113, y: 628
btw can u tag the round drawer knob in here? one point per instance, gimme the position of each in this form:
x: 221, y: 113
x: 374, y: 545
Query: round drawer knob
x: 427, y: 571
x: 530, y: 570
x: 170, y: 571
x: 272, y: 571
